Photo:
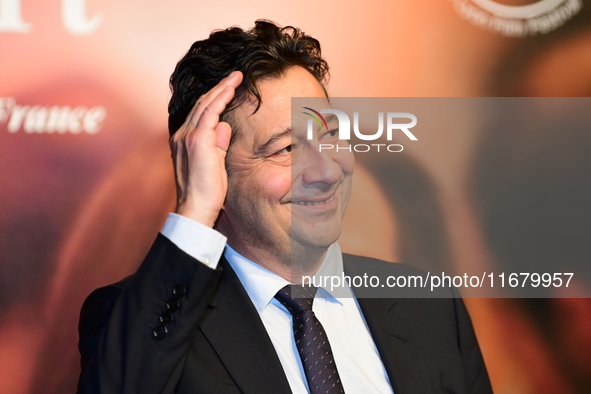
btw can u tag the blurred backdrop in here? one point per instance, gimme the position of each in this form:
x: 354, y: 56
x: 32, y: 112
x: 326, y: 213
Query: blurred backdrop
x: 86, y: 178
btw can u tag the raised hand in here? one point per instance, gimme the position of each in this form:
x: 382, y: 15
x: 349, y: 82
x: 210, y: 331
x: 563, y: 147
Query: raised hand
x: 198, y: 151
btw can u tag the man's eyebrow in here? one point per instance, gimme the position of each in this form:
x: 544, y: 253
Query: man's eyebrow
x: 263, y: 148
x: 330, y: 118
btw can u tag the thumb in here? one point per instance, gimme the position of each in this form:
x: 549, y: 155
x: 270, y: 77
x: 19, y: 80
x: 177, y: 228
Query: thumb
x: 223, y: 133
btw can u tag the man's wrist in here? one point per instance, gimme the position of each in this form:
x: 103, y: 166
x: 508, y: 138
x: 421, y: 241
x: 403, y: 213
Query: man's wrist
x: 202, y: 215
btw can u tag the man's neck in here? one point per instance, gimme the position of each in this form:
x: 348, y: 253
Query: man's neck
x: 291, y: 264
x: 289, y: 259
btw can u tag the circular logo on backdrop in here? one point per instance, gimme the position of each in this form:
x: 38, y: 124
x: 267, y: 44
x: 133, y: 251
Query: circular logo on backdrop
x: 541, y: 16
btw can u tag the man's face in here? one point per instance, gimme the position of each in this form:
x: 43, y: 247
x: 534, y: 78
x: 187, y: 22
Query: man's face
x: 283, y: 193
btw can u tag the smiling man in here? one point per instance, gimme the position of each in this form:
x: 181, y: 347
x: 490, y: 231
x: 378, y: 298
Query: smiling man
x: 285, y: 200
x: 211, y: 309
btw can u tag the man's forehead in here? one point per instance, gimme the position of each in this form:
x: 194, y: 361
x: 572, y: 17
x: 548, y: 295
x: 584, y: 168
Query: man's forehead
x: 273, y: 113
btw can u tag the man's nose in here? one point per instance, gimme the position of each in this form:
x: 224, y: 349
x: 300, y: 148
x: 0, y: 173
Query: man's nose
x: 321, y: 167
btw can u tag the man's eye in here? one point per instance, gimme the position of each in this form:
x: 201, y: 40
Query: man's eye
x: 331, y: 133
x: 284, y: 151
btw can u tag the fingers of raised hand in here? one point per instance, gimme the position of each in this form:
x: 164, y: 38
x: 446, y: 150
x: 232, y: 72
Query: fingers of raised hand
x: 206, y: 112
x: 217, y: 93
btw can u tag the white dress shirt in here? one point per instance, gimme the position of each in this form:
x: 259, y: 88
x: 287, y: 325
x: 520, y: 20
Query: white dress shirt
x: 356, y: 356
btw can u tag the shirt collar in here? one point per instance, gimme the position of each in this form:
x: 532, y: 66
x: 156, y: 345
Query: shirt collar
x: 262, y: 284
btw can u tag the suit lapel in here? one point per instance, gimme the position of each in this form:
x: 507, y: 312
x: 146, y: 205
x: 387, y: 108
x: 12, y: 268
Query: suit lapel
x: 236, y: 332
x: 401, y: 357
x: 385, y: 318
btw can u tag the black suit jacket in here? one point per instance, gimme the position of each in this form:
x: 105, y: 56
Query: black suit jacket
x: 216, y: 342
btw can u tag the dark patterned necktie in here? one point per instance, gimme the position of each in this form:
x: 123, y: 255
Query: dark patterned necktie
x: 311, y: 340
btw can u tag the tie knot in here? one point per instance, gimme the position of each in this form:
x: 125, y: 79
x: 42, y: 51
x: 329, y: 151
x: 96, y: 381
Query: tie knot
x: 296, y: 298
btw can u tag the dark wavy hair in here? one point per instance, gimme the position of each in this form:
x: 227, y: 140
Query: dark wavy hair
x: 266, y: 51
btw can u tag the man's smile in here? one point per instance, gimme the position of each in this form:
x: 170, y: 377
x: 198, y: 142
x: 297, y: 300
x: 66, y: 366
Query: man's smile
x: 321, y: 202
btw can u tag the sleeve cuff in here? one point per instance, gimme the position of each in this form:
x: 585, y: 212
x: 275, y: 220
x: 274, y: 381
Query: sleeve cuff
x: 197, y: 240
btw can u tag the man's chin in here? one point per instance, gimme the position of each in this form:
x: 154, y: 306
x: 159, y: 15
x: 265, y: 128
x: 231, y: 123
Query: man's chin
x: 314, y: 241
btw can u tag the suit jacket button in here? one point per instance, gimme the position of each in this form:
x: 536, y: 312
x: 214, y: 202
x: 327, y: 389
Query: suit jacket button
x: 173, y: 304
x: 166, y: 318
x: 159, y: 332
x: 179, y: 290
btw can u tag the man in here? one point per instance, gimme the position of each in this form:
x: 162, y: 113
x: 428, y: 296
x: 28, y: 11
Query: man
x: 208, y: 311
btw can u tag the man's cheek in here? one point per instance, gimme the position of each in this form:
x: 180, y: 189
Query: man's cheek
x: 278, y: 185
x: 347, y: 161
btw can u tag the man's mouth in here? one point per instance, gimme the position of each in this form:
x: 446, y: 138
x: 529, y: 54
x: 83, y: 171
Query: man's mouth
x: 314, y: 202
